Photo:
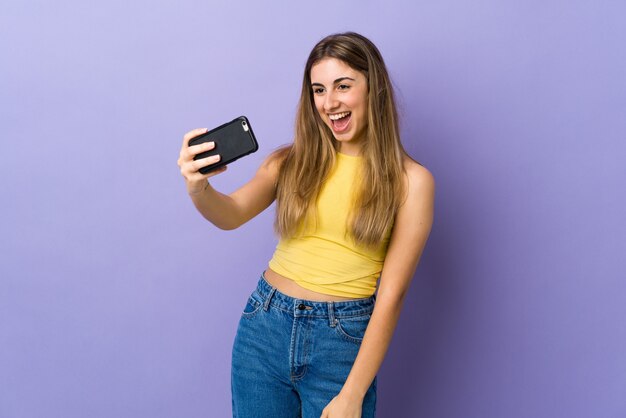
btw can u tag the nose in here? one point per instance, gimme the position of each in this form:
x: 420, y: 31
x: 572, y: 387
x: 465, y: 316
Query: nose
x: 330, y: 102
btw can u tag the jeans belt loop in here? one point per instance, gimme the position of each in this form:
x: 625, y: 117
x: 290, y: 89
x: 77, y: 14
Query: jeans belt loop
x: 266, y: 304
x: 331, y: 314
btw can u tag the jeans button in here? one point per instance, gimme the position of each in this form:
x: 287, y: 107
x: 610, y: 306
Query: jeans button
x: 301, y: 306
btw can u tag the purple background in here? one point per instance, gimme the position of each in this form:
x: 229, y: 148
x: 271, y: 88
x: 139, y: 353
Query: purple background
x: 117, y: 299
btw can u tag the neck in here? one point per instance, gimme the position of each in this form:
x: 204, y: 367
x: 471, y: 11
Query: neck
x: 346, y: 150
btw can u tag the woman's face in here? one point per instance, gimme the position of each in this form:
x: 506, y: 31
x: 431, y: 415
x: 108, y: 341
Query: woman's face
x: 340, y: 94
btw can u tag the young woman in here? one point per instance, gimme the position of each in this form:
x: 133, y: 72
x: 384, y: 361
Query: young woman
x: 351, y: 208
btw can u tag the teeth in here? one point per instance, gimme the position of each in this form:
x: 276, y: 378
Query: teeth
x: 338, y: 115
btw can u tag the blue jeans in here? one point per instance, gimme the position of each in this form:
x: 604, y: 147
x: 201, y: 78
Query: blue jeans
x: 292, y: 356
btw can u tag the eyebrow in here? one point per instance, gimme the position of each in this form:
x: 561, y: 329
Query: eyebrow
x: 339, y: 80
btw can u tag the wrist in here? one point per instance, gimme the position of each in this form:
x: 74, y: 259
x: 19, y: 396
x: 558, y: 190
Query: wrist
x: 196, y: 190
x: 352, y: 393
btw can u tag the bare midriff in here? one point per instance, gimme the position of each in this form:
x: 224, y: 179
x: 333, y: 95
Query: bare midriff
x: 293, y: 289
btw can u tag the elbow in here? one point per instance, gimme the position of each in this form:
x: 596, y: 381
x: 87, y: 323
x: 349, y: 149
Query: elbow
x: 391, y: 297
x: 227, y: 224
x: 228, y: 227
x: 225, y: 221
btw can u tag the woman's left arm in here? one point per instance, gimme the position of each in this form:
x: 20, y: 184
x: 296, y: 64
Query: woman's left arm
x: 411, y: 229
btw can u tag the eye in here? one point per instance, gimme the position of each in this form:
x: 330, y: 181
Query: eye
x: 318, y: 90
x: 343, y: 87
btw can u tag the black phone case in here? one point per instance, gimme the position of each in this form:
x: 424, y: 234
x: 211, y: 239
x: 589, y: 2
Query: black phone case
x: 233, y: 140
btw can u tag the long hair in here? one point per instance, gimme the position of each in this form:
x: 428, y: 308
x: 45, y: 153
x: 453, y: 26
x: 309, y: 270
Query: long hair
x: 308, y: 161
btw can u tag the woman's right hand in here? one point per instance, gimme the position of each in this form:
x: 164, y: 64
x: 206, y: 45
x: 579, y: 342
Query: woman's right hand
x: 196, y: 181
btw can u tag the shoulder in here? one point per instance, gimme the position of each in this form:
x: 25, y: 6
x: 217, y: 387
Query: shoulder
x: 416, y: 211
x: 418, y: 180
x: 411, y: 229
x: 273, y: 162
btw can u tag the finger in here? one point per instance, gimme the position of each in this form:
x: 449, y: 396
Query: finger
x: 192, y: 134
x: 197, y: 149
x: 197, y: 176
x: 187, y: 153
x: 204, y: 162
x: 217, y: 171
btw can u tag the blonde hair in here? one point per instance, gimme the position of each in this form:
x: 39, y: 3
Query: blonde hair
x: 308, y: 161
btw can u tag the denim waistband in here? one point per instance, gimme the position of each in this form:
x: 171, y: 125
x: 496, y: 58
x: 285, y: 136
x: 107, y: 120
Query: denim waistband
x: 345, y: 308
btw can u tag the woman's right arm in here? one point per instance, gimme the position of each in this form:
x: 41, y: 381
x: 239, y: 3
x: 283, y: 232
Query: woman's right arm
x: 226, y: 211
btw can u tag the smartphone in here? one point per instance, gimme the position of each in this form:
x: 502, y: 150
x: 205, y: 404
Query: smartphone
x: 233, y: 140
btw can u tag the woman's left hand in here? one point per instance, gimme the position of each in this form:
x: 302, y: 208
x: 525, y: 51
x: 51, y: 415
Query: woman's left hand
x: 343, y: 406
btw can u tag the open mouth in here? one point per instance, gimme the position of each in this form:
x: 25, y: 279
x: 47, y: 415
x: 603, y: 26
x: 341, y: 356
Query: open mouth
x: 340, y: 121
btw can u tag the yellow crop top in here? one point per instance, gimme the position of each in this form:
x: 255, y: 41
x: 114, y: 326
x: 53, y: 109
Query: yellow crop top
x: 325, y: 259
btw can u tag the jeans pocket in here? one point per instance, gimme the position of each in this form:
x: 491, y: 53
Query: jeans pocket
x: 352, y: 328
x: 253, y: 305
